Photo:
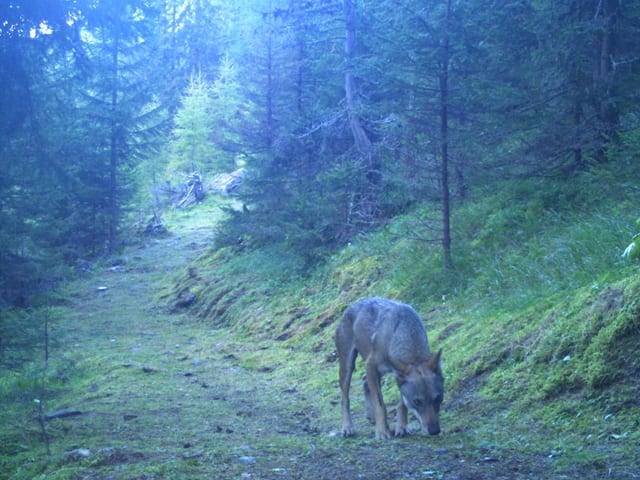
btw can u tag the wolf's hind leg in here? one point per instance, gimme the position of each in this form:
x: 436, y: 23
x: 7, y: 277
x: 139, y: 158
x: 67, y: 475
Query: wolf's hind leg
x: 367, y: 401
x: 347, y: 365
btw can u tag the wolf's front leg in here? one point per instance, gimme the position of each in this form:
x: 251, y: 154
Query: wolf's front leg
x: 379, y: 410
x: 347, y: 361
x: 348, y: 430
x: 401, y: 425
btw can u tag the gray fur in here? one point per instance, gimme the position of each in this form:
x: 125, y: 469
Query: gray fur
x: 391, y: 338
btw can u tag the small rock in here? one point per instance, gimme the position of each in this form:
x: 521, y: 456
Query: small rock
x: 185, y: 300
x: 83, y: 452
x: 189, y: 456
x: 489, y: 459
x: 76, y: 455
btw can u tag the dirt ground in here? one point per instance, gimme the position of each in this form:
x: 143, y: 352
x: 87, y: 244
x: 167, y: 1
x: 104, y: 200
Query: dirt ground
x: 164, y: 396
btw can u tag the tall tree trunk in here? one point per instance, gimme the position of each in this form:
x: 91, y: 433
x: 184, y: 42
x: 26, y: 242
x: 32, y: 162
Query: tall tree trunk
x: 444, y: 143
x: 362, y: 142
x: 269, y: 99
x: 607, y: 15
x: 367, y: 203
x: 113, y: 150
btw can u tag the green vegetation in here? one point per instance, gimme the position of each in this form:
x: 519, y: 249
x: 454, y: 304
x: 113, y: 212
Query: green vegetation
x: 538, y: 322
x: 539, y: 317
x: 477, y: 161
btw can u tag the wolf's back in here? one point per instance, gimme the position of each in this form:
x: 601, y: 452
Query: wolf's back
x: 395, y: 324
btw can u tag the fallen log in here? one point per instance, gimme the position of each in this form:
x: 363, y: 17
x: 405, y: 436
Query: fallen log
x: 61, y: 414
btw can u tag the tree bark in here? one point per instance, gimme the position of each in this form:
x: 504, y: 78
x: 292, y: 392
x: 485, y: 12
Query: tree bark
x: 113, y: 149
x: 367, y: 201
x: 444, y: 143
x: 269, y: 99
x: 607, y: 14
x: 362, y: 142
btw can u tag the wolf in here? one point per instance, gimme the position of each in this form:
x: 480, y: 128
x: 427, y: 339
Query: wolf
x: 390, y: 337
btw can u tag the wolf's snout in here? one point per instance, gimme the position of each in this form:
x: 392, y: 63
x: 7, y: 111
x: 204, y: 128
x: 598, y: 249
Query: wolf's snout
x: 430, y: 425
x: 429, y: 419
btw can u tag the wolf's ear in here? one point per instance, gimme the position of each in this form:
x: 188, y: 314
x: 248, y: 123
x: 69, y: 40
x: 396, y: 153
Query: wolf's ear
x: 434, y: 364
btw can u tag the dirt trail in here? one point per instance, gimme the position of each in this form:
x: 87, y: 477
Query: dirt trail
x: 164, y: 396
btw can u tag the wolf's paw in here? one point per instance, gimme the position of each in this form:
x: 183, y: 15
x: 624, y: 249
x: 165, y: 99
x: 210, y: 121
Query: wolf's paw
x: 383, y: 434
x: 348, y: 431
x: 402, y: 431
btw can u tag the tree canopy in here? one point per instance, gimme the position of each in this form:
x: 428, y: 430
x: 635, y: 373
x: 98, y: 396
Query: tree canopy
x: 344, y: 113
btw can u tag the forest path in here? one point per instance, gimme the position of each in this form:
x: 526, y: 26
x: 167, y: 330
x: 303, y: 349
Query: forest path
x: 164, y: 395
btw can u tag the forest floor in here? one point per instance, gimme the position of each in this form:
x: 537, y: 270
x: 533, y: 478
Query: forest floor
x: 163, y: 395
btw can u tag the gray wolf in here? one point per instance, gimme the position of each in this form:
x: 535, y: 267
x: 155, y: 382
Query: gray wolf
x: 391, y: 338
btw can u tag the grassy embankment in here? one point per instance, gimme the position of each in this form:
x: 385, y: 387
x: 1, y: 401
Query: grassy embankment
x: 539, y: 322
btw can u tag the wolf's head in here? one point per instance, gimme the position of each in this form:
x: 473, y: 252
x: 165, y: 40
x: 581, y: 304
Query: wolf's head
x: 422, y: 389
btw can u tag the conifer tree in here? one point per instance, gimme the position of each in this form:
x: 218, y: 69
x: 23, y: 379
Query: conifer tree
x: 120, y: 45
x: 192, y: 148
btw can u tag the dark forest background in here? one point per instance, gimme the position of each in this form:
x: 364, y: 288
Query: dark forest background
x: 344, y: 114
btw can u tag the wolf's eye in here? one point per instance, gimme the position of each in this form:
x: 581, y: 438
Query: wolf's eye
x: 417, y: 403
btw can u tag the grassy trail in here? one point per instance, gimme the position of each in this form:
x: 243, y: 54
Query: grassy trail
x: 165, y: 396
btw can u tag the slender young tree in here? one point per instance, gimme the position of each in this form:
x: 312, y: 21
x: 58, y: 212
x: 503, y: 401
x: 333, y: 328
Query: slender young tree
x: 365, y: 152
x: 444, y: 137
x: 360, y: 137
x: 191, y: 146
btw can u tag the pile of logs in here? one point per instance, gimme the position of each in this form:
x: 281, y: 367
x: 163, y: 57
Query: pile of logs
x: 193, y: 191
